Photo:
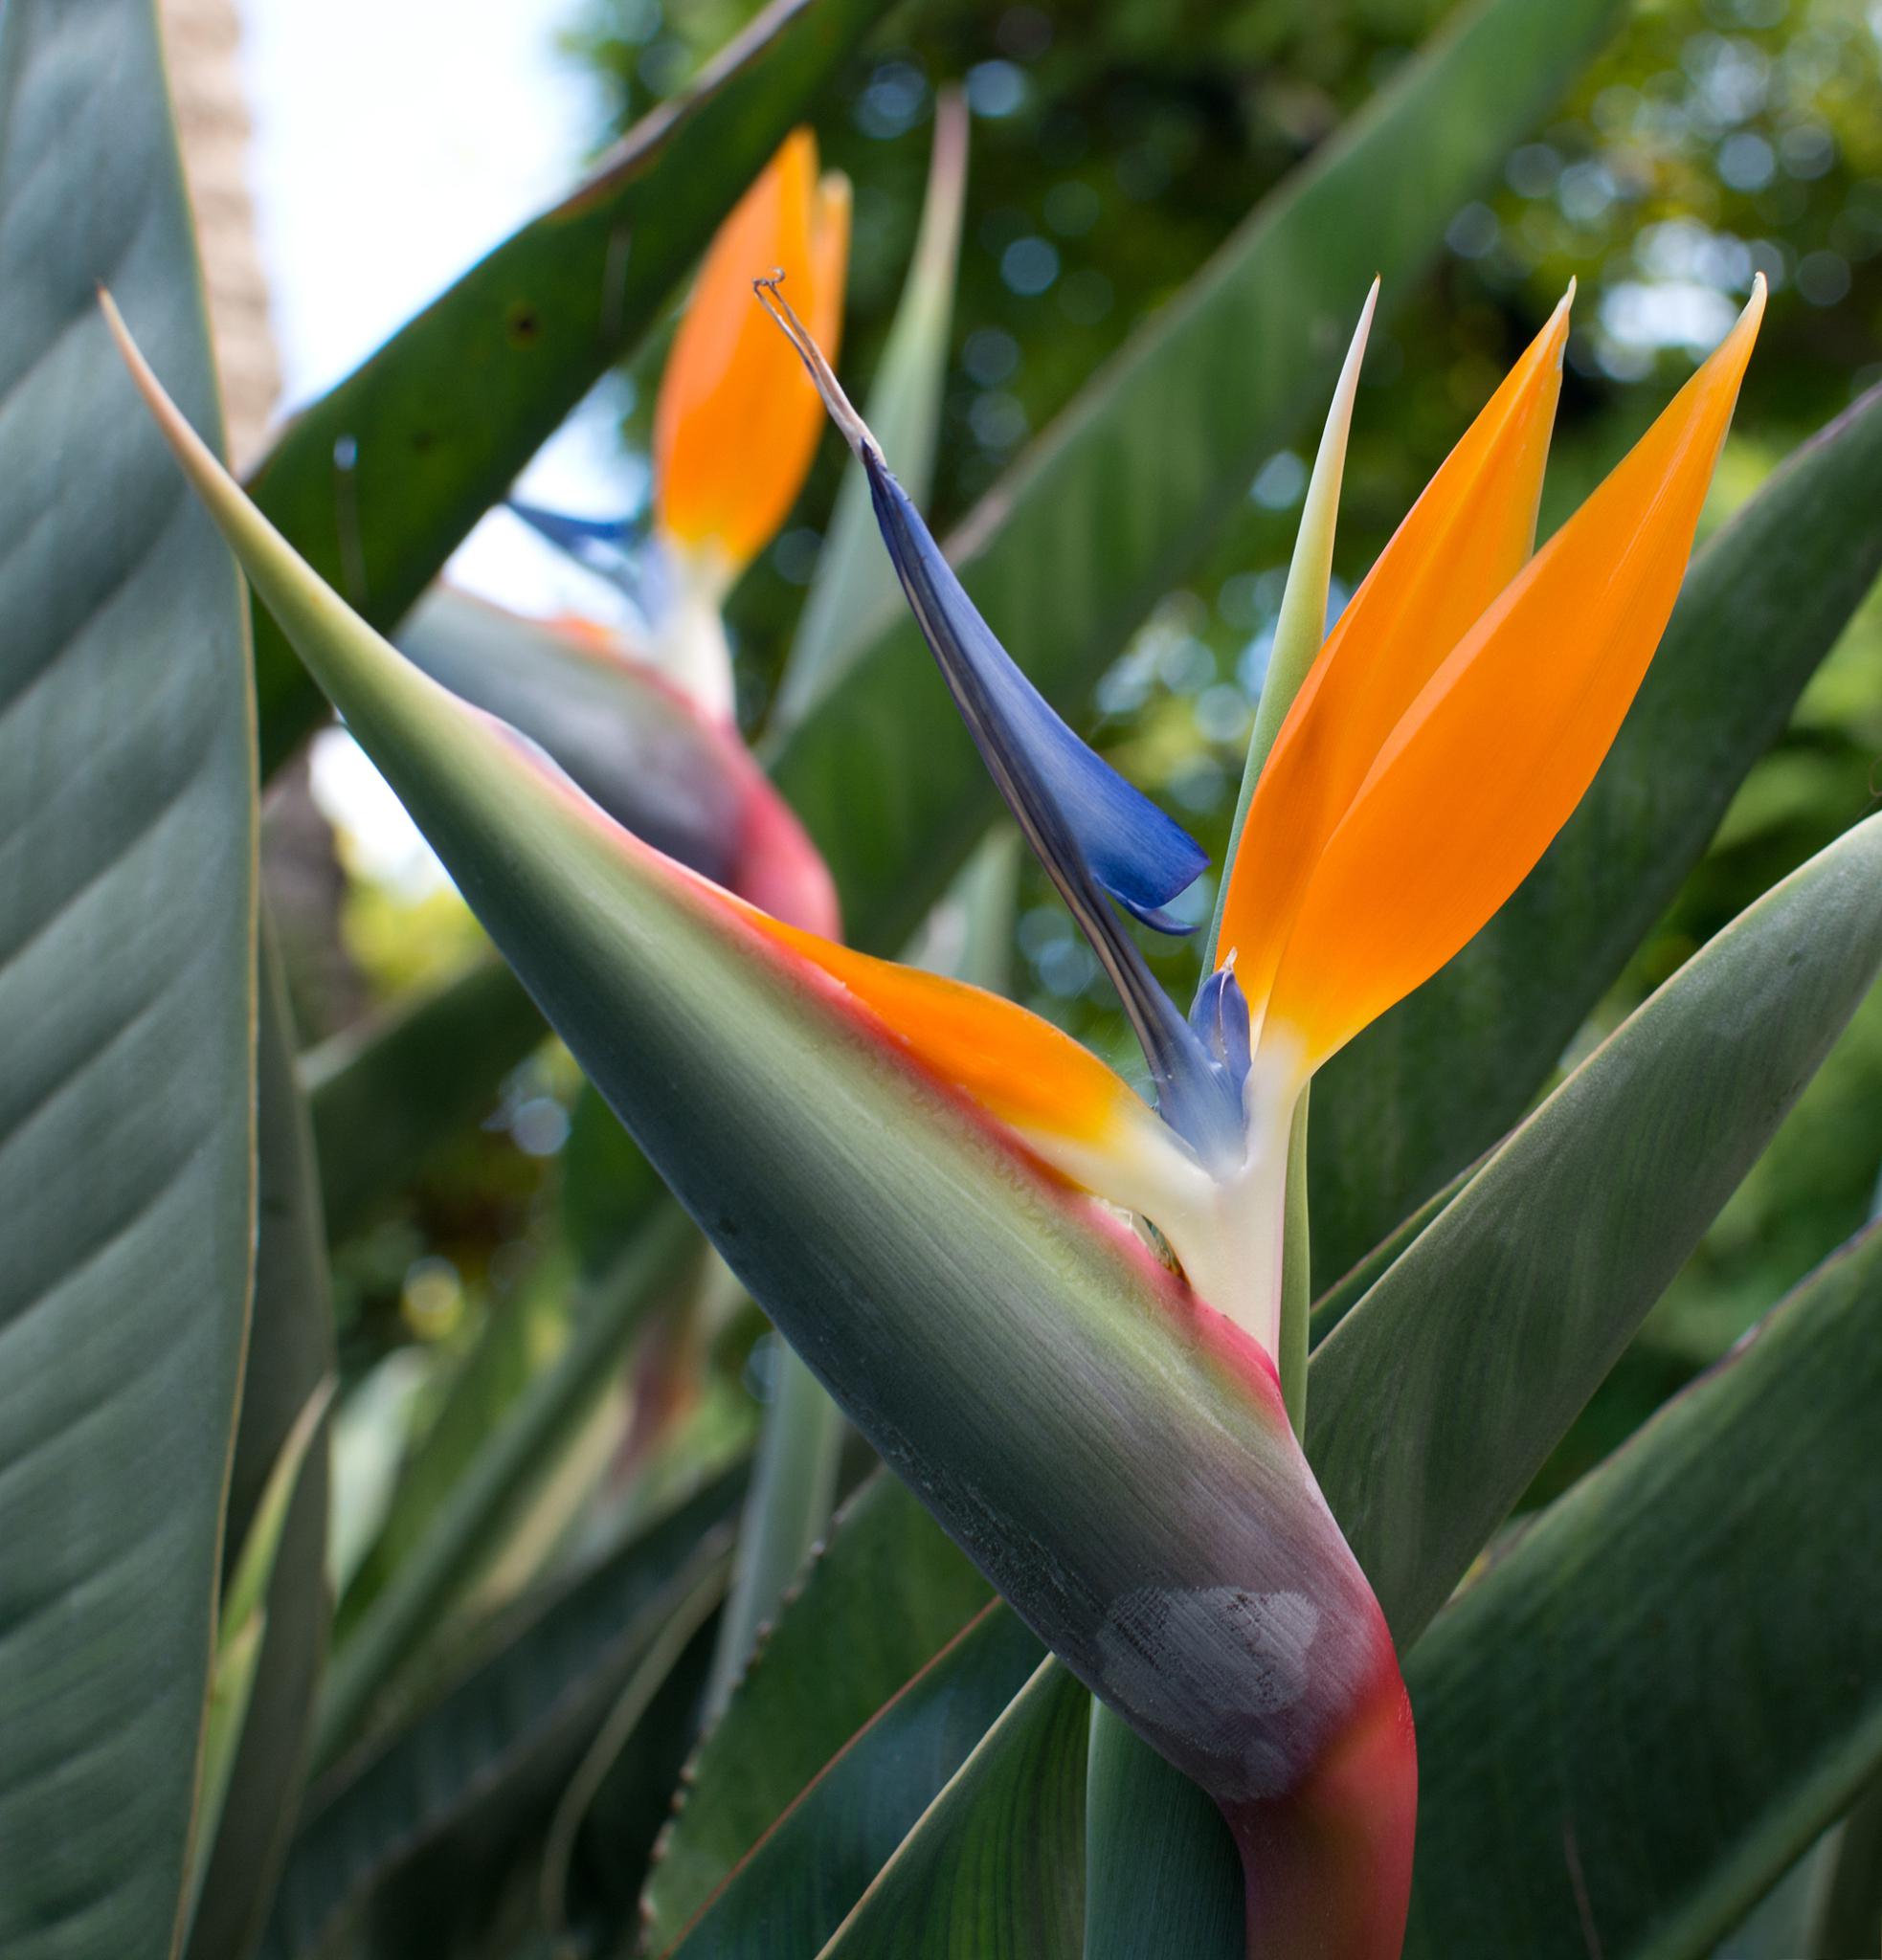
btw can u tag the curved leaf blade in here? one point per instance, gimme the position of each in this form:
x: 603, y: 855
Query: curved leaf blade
x: 1642, y: 1716
x: 889, y: 1590
x: 507, y: 1733
x: 995, y: 1868
x: 126, y: 998
x: 290, y: 1356
x: 1440, y: 1394
x: 797, y: 1884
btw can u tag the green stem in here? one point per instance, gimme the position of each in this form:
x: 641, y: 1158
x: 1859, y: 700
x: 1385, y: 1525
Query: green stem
x: 1297, y: 1285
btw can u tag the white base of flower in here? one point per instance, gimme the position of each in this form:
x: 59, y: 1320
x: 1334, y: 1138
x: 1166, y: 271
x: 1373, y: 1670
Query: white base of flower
x: 690, y: 643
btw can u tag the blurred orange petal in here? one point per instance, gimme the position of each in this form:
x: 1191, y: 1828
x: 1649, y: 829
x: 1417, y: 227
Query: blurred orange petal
x: 1465, y: 539
x: 1489, y: 760
x: 737, y: 420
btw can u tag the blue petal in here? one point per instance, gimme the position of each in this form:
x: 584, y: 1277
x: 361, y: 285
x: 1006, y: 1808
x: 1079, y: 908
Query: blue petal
x: 1142, y: 857
x: 1219, y: 1017
x: 1091, y: 830
x: 604, y: 545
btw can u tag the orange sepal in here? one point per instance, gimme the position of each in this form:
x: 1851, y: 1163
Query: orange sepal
x: 737, y: 420
x: 1016, y: 1065
x: 1491, y: 759
x: 1464, y: 540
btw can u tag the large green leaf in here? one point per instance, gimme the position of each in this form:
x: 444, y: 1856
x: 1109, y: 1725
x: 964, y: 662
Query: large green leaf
x: 1162, y: 1873
x: 995, y: 1868
x: 126, y: 1005
x: 424, y: 1558
x: 1438, y: 1397
x: 1070, y: 551
x: 496, y: 1747
x: 379, y: 481
x: 798, y: 1883
x: 887, y: 1593
x: 290, y: 1356
x: 1639, y: 1719
x: 1137, y: 1468
x: 1410, y: 1102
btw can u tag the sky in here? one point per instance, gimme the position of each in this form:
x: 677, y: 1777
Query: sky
x: 395, y: 143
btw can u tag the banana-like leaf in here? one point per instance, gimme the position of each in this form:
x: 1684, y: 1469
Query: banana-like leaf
x: 499, y: 1744
x: 290, y: 1356
x: 1408, y: 1103
x: 240, y: 1633
x: 889, y: 1592
x: 225, y: 1719
x: 1640, y: 1718
x: 1135, y: 1490
x: 446, y: 1547
x: 797, y: 1884
x: 1160, y: 1871
x: 1071, y: 549
x: 614, y: 1810
x: 379, y: 481
x: 126, y: 1006
x: 384, y: 1094
x: 995, y: 1870
x: 1438, y: 1398
x: 1346, y: 1293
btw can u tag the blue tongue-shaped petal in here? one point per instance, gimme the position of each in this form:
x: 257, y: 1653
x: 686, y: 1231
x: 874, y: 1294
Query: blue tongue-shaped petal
x: 1091, y: 830
x: 1142, y: 857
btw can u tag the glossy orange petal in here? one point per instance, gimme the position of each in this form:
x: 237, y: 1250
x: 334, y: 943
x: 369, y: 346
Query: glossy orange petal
x: 1488, y: 762
x: 1016, y: 1065
x: 737, y: 420
x: 1464, y: 540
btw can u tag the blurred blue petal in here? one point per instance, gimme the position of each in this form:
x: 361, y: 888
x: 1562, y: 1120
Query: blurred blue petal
x: 607, y: 546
